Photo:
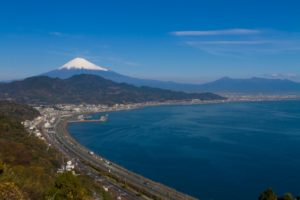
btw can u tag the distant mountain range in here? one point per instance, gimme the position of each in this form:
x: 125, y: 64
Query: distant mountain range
x: 223, y: 86
x: 252, y: 86
x: 90, y: 89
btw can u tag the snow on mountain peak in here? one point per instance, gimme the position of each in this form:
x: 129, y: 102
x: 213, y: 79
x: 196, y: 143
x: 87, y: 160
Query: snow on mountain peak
x: 81, y: 63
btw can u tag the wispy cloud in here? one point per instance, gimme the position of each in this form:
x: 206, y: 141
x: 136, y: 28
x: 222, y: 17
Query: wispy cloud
x: 282, y: 75
x: 245, y: 47
x: 57, y: 34
x: 241, y: 42
x: 130, y: 63
x: 236, y: 31
x: 120, y: 61
x: 230, y: 42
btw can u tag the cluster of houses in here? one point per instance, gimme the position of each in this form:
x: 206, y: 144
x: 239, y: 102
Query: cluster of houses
x: 33, y: 127
x: 50, y: 114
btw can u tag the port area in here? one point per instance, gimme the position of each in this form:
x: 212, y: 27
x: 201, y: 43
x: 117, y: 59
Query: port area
x: 85, y: 120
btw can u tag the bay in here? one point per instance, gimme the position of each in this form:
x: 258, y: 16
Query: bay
x: 213, y: 152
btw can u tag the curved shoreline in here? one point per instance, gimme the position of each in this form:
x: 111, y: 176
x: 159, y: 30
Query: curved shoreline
x: 135, y: 181
x: 258, y: 102
x: 123, y: 176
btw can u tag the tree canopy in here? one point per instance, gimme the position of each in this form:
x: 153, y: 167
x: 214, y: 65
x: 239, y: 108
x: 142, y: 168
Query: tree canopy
x: 268, y: 195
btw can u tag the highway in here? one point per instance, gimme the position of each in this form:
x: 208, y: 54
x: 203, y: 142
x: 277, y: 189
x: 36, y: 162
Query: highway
x: 58, y: 142
x: 93, y: 164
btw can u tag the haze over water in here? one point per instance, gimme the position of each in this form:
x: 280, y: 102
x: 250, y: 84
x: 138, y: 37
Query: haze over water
x: 217, y: 151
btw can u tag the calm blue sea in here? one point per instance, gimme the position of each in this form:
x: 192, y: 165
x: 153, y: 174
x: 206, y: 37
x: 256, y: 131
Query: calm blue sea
x: 227, y: 151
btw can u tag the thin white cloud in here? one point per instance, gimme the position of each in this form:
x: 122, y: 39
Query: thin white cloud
x: 245, y: 47
x: 237, y: 31
x: 65, y: 35
x: 130, y: 63
x: 241, y: 43
x: 282, y: 75
x: 58, y: 34
x: 230, y: 42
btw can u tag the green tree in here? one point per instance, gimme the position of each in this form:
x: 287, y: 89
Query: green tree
x: 288, y: 196
x: 268, y: 195
x: 2, y: 166
x: 68, y: 187
x: 10, y: 191
x: 106, y: 195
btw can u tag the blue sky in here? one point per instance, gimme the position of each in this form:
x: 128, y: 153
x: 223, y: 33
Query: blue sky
x: 180, y: 40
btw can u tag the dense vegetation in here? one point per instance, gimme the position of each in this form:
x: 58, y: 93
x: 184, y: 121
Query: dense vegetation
x: 89, y: 89
x: 28, y: 166
x: 17, y: 111
x: 269, y: 194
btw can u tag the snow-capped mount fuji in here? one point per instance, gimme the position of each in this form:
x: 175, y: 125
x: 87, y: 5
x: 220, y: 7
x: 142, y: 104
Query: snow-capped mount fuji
x: 81, y: 63
x: 79, y: 66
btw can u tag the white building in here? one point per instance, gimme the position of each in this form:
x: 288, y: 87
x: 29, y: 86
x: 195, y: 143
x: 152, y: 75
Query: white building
x: 47, y: 125
x: 70, y: 166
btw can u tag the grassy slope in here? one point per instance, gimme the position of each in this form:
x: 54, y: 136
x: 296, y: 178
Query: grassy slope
x: 27, y: 166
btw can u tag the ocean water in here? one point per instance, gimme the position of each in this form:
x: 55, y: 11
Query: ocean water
x: 227, y: 151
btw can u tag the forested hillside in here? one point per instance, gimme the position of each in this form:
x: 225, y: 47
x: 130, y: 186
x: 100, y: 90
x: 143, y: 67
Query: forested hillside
x: 89, y: 89
x: 28, y: 166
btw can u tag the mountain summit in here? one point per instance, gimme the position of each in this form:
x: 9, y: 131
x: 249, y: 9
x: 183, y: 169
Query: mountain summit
x: 81, y: 63
x: 79, y: 66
